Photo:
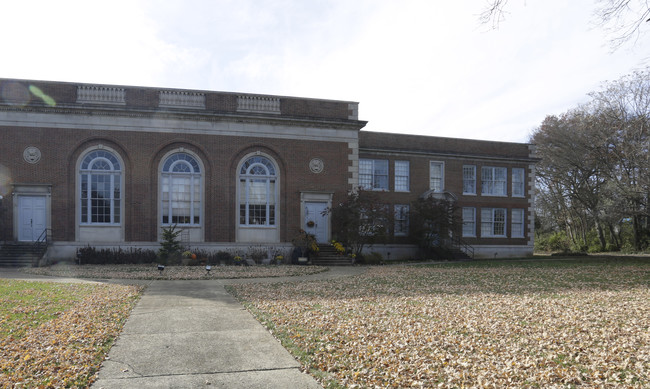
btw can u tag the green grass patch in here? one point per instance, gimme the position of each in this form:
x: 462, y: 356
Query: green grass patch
x: 57, y: 334
x: 25, y: 304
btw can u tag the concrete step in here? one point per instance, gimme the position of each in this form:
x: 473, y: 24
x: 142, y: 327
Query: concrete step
x: 20, y: 254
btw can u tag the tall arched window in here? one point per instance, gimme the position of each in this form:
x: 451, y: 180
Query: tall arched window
x: 181, y: 190
x: 257, y: 192
x: 101, y: 195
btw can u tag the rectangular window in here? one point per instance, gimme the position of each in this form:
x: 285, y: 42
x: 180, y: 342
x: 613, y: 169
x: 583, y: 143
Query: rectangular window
x: 436, y: 176
x: 518, y: 182
x: 469, y: 179
x: 493, y: 222
x: 517, y: 226
x: 401, y: 176
x: 373, y: 174
x: 401, y: 220
x: 494, y: 181
x: 469, y: 221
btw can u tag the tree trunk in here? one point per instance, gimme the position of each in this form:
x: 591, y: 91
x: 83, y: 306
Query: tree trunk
x: 601, y: 235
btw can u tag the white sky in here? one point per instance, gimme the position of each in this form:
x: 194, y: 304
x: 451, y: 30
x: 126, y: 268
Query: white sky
x: 419, y: 67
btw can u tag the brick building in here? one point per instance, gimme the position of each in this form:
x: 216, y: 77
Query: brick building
x: 111, y: 166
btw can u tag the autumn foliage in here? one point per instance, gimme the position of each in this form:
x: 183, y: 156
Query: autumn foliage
x: 56, y: 335
x: 553, y: 324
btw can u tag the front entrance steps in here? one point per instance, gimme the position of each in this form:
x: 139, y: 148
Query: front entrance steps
x: 19, y: 254
x: 328, y: 256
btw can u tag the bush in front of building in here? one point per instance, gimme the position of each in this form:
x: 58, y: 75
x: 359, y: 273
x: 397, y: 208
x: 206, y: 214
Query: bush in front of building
x: 110, y: 256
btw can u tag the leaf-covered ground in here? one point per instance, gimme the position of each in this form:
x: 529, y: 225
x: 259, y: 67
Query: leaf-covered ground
x: 55, y: 334
x: 150, y: 271
x: 552, y: 324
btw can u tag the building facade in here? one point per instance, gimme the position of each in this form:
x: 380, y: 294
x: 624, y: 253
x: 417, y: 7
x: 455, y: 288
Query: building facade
x: 111, y: 166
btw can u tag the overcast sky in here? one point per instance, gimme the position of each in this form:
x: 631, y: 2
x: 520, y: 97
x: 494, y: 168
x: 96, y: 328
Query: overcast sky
x: 418, y: 67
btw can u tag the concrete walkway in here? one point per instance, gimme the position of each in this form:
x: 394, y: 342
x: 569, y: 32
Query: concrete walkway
x: 192, y: 334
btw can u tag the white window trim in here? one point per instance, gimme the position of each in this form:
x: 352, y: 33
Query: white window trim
x: 395, y: 209
x: 408, y: 176
x: 474, y: 192
x: 372, y: 181
x: 523, y: 182
x: 193, y: 176
x: 473, y: 221
x: 89, y: 173
x: 442, y: 175
x: 268, y: 178
x: 483, y: 193
x: 505, y: 223
x: 522, y: 221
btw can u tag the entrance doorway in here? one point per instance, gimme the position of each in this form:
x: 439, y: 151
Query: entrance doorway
x: 316, y: 220
x: 32, y: 217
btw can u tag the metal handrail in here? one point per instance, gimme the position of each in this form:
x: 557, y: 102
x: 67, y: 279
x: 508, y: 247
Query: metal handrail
x: 42, y: 239
x: 457, y: 243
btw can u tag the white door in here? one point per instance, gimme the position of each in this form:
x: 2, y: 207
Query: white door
x: 31, y: 217
x: 315, y: 222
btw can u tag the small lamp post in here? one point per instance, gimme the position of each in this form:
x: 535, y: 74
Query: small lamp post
x: 207, y: 269
x: 161, y: 268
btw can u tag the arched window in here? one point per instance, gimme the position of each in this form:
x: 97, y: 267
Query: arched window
x: 181, y: 190
x: 257, y: 192
x: 101, y: 195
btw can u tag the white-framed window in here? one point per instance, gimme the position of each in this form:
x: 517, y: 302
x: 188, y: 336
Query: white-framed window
x: 436, y: 176
x: 493, y: 222
x: 401, y: 220
x: 518, y: 188
x: 469, y: 179
x: 494, y: 181
x: 180, y: 194
x: 373, y: 174
x: 100, y: 188
x: 469, y: 221
x: 402, y: 176
x: 257, y: 192
x: 517, y: 223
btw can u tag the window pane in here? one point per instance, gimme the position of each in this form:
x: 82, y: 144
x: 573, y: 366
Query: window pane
x: 401, y: 219
x: 517, y: 226
x: 436, y: 176
x: 402, y: 176
x: 518, y: 182
x: 181, y: 190
x: 469, y: 179
x: 494, y: 181
x: 469, y: 221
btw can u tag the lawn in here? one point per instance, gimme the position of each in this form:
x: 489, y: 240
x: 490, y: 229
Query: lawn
x: 56, y: 334
x: 531, y: 324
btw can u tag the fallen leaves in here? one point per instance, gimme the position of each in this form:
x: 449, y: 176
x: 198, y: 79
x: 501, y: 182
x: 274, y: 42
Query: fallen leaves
x: 150, y: 271
x: 63, y: 348
x: 551, y: 325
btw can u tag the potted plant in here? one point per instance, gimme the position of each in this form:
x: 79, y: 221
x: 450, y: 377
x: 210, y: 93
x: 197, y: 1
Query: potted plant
x: 305, y: 244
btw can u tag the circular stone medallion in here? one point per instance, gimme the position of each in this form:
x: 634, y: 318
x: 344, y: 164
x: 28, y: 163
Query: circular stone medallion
x: 32, y: 154
x: 316, y: 165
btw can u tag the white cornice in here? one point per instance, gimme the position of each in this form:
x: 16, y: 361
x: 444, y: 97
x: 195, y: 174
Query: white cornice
x: 183, y: 124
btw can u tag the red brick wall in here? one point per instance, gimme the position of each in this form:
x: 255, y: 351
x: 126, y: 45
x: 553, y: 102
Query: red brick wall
x: 142, y: 153
x: 453, y: 182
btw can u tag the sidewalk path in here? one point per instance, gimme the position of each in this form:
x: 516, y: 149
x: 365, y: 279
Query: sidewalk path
x: 193, y: 334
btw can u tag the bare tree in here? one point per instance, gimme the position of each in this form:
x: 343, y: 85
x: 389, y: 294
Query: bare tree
x: 622, y: 109
x: 622, y: 19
